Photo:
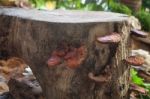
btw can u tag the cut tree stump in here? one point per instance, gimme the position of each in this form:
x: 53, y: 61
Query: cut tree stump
x: 62, y: 49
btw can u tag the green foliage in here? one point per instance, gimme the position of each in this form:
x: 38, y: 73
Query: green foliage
x: 147, y: 86
x: 93, y: 7
x: 77, y: 4
x: 120, y: 8
x: 146, y: 3
x: 71, y: 4
x: 39, y: 4
x: 135, y: 78
x: 144, y: 18
x: 139, y: 81
x: 144, y: 97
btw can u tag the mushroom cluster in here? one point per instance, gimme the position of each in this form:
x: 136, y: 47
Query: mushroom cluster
x: 71, y: 56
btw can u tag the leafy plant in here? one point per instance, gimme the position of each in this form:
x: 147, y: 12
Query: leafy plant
x: 135, y: 78
x: 146, y: 3
x: 79, y: 5
x: 144, y: 18
x: 140, y: 81
x: 38, y: 3
x: 120, y: 8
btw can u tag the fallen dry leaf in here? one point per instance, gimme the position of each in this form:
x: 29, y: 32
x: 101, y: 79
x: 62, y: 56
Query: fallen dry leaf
x: 12, y: 67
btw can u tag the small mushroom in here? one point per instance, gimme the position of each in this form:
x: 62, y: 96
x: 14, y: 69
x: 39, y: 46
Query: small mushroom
x: 135, y: 60
x: 112, y: 38
x: 137, y: 88
x: 100, y: 78
x: 53, y: 61
x: 139, y: 33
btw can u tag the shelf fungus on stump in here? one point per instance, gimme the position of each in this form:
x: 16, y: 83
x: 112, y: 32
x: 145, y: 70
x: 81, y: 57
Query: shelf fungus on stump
x: 72, y: 56
x: 56, y: 58
x: 100, y: 78
x: 135, y: 60
x: 53, y: 61
x: 138, y: 89
x: 112, y: 38
x: 139, y: 33
x: 59, y: 53
x: 75, y: 57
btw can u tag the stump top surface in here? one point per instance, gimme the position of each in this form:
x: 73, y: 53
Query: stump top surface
x: 64, y: 16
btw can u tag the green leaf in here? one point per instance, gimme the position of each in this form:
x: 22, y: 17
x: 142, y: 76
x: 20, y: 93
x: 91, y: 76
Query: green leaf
x: 147, y: 86
x: 135, y: 78
x: 120, y: 8
x: 144, y: 18
x: 133, y: 72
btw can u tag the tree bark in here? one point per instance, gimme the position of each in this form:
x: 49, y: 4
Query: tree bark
x: 25, y: 88
x: 34, y: 35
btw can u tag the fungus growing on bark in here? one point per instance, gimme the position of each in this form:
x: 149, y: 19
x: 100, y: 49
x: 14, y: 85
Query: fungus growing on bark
x: 59, y: 53
x: 72, y: 56
x: 137, y: 88
x: 112, y: 38
x: 139, y: 33
x: 73, y: 63
x: 75, y: 57
x: 100, y: 78
x: 53, y: 61
x: 135, y: 60
x: 55, y: 58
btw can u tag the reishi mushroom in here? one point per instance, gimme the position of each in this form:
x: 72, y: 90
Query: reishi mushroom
x: 112, y: 38
x: 59, y: 53
x: 75, y: 57
x: 137, y: 88
x: 135, y: 60
x: 100, y: 78
x: 139, y: 33
x: 53, y: 61
x: 56, y: 57
x: 72, y: 56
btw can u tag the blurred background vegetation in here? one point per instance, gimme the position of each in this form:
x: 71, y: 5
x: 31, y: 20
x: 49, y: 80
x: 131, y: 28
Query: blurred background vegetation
x: 138, y: 8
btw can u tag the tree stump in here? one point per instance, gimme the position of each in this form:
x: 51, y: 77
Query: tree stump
x: 62, y: 49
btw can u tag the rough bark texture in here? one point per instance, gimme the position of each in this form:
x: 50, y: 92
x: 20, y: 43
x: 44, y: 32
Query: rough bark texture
x: 33, y: 35
x: 25, y: 89
x: 141, y: 43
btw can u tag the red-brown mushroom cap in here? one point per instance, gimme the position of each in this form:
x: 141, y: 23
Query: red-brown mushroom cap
x: 53, y: 61
x: 100, y: 78
x: 139, y: 33
x: 75, y: 57
x: 112, y: 38
x: 135, y: 60
x: 137, y: 88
